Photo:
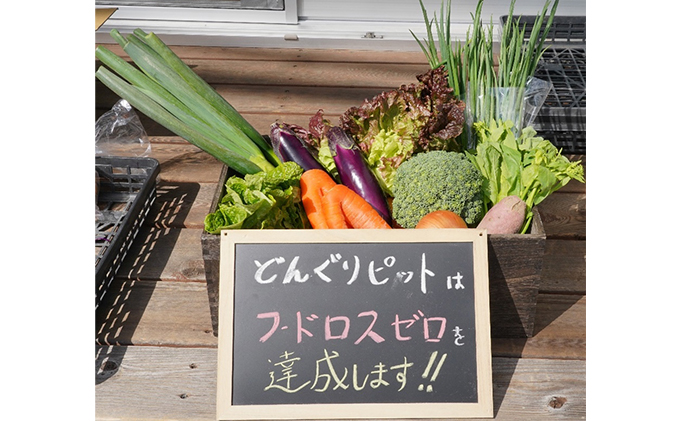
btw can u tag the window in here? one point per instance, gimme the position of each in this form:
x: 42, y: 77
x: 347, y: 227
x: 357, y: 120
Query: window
x: 200, y: 4
x: 362, y: 24
x: 175, y: 13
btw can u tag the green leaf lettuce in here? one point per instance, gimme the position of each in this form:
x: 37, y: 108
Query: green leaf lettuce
x: 527, y: 166
x: 265, y: 200
x: 395, y: 124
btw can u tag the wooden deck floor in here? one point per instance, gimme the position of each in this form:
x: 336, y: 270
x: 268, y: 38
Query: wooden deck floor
x: 156, y: 352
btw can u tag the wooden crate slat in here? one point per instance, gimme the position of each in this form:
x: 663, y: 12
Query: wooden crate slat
x: 564, y: 267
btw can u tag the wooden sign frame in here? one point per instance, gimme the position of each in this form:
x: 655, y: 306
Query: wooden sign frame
x: 226, y: 410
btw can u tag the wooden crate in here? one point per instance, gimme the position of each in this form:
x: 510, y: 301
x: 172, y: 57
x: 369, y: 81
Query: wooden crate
x: 515, y: 264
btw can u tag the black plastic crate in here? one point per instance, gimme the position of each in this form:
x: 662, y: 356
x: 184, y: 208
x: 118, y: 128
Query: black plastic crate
x: 571, y: 142
x: 564, y: 29
x: 563, y: 113
x: 562, y: 118
x: 565, y: 69
x: 127, y: 189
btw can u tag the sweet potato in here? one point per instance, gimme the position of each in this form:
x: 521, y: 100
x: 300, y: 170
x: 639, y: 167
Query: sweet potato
x: 505, y: 217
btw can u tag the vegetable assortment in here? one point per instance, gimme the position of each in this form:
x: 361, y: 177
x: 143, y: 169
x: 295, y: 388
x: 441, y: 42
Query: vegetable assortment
x: 474, y: 74
x: 402, y: 159
x: 394, y: 125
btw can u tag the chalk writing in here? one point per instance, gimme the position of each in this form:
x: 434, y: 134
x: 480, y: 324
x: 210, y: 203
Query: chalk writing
x: 377, y: 272
x: 431, y: 329
x: 287, y: 375
x: 435, y: 373
x: 354, y: 323
x: 329, y: 376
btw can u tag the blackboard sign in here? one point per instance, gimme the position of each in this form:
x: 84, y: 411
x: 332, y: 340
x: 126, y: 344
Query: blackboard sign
x: 354, y: 324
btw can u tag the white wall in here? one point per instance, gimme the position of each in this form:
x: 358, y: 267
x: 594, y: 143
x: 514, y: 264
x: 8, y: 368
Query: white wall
x: 317, y: 23
x: 409, y: 10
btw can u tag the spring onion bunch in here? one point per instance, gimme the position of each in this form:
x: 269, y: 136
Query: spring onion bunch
x: 518, y: 59
x: 165, y: 89
x: 473, y: 71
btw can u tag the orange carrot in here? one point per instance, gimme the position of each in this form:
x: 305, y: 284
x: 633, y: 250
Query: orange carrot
x: 314, y: 184
x: 343, y: 208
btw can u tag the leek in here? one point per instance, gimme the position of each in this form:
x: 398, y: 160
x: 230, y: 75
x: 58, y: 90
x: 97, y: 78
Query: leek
x: 164, y: 98
x: 146, y: 105
x: 163, y: 89
x: 201, y: 86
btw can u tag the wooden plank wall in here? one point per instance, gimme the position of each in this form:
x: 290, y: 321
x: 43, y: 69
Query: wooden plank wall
x: 290, y: 84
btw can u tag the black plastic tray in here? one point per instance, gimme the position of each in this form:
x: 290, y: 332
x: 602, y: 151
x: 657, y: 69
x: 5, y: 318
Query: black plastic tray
x: 564, y: 29
x: 562, y: 118
x: 563, y: 114
x: 127, y: 189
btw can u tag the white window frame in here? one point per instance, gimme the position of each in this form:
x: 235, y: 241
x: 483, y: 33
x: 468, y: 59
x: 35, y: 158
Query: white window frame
x: 356, y: 24
x: 181, y: 14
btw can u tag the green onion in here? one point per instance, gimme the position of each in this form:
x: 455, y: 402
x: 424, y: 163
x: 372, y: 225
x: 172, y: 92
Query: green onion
x: 428, y: 46
x: 471, y: 64
x: 169, y: 92
x: 146, y: 105
x: 445, y: 54
x: 518, y: 60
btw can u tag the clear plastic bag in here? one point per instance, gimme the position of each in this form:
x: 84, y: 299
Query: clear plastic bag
x: 119, y: 132
x: 97, y: 213
x: 517, y: 104
x: 536, y: 92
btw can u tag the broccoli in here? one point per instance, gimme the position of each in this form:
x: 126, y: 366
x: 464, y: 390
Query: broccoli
x: 435, y: 180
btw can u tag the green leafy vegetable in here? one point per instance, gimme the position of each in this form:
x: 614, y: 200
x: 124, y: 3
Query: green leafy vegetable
x: 396, y: 124
x: 527, y: 166
x: 265, y: 200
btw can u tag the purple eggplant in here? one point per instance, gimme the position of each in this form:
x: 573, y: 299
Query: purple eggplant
x: 355, y: 173
x: 288, y: 147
